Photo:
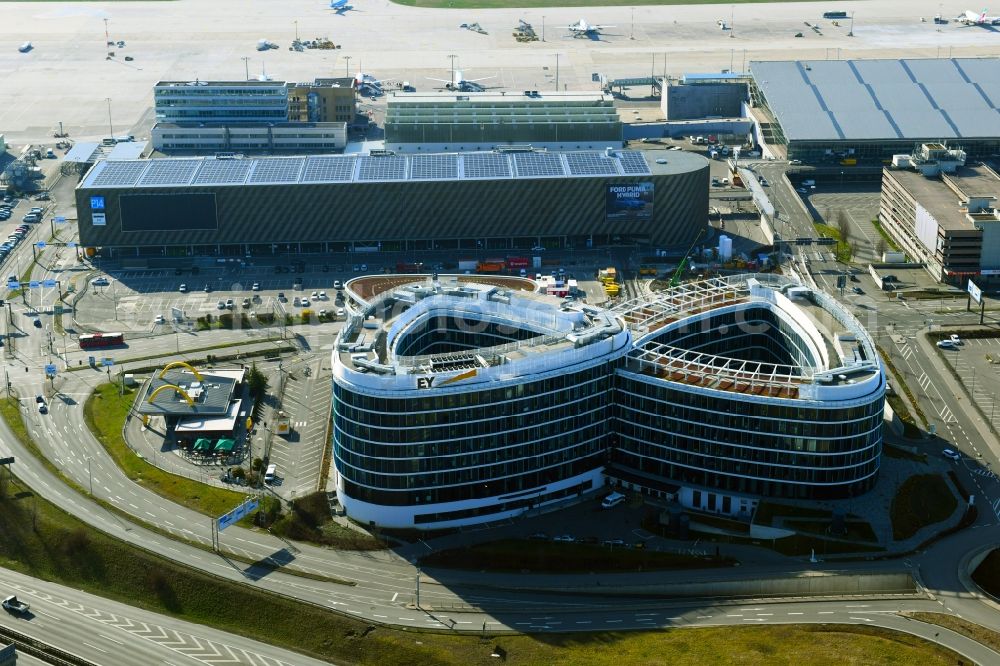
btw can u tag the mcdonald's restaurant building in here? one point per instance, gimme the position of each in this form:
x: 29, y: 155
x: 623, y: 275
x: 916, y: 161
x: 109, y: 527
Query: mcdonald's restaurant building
x: 201, y: 406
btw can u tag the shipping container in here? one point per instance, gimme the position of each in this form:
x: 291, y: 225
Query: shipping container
x: 490, y: 267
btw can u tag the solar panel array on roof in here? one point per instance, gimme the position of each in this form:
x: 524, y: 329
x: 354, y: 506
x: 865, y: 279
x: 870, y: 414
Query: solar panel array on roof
x: 485, y: 165
x: 336, y: 168
x: 222, y: 172
x: 119, y: 174
x: 633, y: 163
x: 591, y: 164
x: 434, y: 167
x: 169, y: 172
x: 277, y: 170
x: 325, y: 169
x: 920, y: 99
x: 534, y: 165
x: 387, y: 167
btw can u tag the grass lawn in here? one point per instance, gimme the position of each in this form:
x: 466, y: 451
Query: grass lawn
x: 548, y: 556
x: 976, y: 632
x: 105, y: 413
x: 987, y: 575
x: 503, y: 4
x: 885, y: 236
x: 923, y: 499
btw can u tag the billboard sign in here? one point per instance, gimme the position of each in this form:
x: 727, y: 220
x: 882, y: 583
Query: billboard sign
x: 50, y: 370
x: 49, y: 283
x: 975, y: 292
x: 629, y: 201
x: 237, y: 514
x: 96, y: 203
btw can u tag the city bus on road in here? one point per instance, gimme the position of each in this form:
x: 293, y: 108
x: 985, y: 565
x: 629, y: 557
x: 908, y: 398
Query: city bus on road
x: 99, y: 340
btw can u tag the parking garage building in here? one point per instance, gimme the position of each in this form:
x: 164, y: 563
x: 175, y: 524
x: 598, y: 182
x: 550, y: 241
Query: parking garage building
x: 505, y: 199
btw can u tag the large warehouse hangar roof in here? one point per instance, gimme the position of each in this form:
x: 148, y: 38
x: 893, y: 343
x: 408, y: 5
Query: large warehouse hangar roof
x: 830, y: 100
x: 384, y: 168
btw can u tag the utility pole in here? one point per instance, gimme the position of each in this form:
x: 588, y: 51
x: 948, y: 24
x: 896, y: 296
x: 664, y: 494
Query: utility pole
x: 543, y: 27
x: 850, y: 33
x: 732, y: 21
x: 296, y: 31
x: 111, y: 129
x: 246, y: 66
x: 557, y: 72
x: 107, y: 38
x: 631, y: 32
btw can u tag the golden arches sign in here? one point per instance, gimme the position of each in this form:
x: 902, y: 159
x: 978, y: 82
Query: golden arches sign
x: 179, y: 364
x: 174, y: 388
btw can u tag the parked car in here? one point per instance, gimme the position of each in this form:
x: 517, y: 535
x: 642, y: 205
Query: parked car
x: 270, y: 473
x: 160, y: 319
x: 954, y: 338
x: 858, y: 290
x: 229, y: 304
x: 952, y: 454
x: 947, y: 344
x: 255, y: 287
x: 100, y: 281
x: 564, y: 538
x: 612, y: 500
x: 183, y: 289
x: 221, y: 305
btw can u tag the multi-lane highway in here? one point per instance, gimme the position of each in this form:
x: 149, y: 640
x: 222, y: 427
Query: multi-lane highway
x: 109, y: 633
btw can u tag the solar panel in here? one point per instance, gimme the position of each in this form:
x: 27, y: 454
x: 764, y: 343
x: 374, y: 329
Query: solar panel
x: 222, y: 172
x: 325, y: 169
x: 485, y: 165
x: 169, y: 172
x: 591, y: 164
x: 633, y: 162
x: 433, y: 167
x: 535, y: 165
x: 388, y: 167
x: 277, y: 170
x: 119, y: 174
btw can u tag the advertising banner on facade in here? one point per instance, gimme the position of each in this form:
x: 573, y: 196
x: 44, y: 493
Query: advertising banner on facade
x: 629, y: 201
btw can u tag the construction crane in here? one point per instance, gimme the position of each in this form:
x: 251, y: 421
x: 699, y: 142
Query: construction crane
x: 675, y: 279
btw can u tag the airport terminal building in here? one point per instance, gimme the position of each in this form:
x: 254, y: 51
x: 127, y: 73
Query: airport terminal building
x: 464, y: 400
x: 336, y: 203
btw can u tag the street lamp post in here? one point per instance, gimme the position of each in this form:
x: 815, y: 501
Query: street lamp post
x: 246, y: 66
x: 347, y: 65
x: 111, y: 129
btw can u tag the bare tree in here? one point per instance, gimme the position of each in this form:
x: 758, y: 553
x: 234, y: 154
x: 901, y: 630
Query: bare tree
x: 880, y: 247
x: 843, y: 226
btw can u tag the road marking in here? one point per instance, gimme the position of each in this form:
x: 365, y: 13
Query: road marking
x: 734, y: 616
x: 796, y: 613
x: 108, y: 638
x: 94, y: 647
x: 857, y: 605
x: 704, y: 617
x: 825, y: 613
x: 394, y: 596
x: 754, y: 619
x: 612, y: 621
x: 864, y: 619
x: 583, y: 622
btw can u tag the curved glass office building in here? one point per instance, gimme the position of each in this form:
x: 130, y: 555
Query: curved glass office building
x: 457, y: 402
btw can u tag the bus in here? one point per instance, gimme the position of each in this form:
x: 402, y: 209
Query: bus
x: 98, y: 340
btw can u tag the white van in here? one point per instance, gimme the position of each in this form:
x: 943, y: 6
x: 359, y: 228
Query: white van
x: 270, y: 473
x: 612, y: 500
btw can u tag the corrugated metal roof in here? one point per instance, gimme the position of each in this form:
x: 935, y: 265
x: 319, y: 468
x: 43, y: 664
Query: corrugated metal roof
x: 831, y: 100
